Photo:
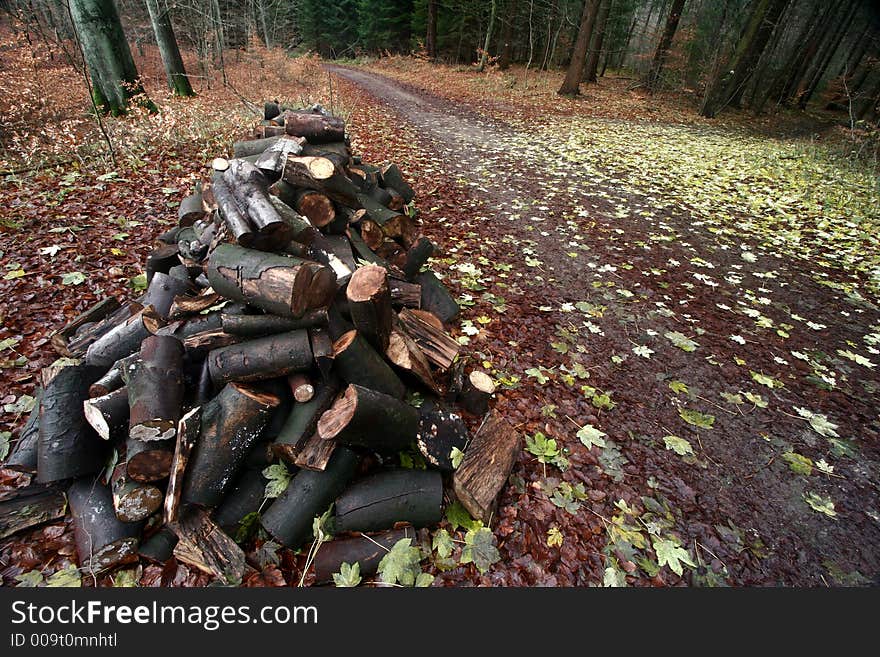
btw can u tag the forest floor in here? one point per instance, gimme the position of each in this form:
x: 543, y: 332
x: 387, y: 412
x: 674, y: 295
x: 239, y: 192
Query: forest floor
x: 688, y: 309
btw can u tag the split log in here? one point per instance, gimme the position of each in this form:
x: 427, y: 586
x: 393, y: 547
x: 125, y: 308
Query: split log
x: 436, y: 298
x: 486, y: 466
x: 335, y: 252
x: 417, y: 256
x: 405, y: 294
x: 404, y: 353
x: 315, y: 206
x: 361, y: 249
x: 102, y: 540
x: 232, y: 213
x: 198, y: 346
x: 301, y: 231
x: 252, y: 146
x: 455, y: 378
x: 132, y: 500
x: 387, y: 497
x: 476, y: 393
x: 262, y: 358
x: 203, y: 545
x: 302, y: 422
x: 367, y: 418
x: 96, y: 313
x: 371, y: 233
x: 188, y: 430
x: 392, y: 178
x: 123, y: 340
x: 148, y: 462
x: 309, y: 494
x: 79, y: 343
x: 250, y: 188
x: 316, y: 128
x: 191, y: 209
x: 159, y: 547
x: 184, y: 307
x: 439, y: 347
x: 245, y: 497
x: 267, y: 131
x: 252, y: 326
x: 440, y: 433
x: 161, y: 259
x: 367, y: 551
x: 322, y: 350
x: 357, y: 362
x: 108, y: 414
x: 231, y: 423
x: 279, y: 285
x: 316, y: 453
x: 301, y: 387
x: 155, y: 389
x: 161, y: 293
x: 24, y: 454
x: 321, y: 174
x: 32, y: 506
x: 67, y: 447
x: 369, y: 301
x: 271, y: 161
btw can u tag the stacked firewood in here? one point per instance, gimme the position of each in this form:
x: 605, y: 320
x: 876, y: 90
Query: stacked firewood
x: 288, y: 318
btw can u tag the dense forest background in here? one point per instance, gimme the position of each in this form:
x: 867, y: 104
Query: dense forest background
x: 757, y: 54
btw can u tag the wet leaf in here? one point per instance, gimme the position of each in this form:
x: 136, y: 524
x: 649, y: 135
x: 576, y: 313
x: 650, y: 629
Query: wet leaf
x: 348, y: 576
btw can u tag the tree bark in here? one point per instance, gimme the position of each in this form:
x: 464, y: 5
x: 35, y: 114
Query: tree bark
x: 653, y: 77
x: 367, y: 418
x: 436, y: 298
x: 31, y: 506
x: 575, y: 73
x: 592, y: 66
x: 484, y: 56
x: 108, y: 414
x: 369, y: 301
x: 160, y: 18
x: 155, y: 389
x: 363, y: 550
x: 263, y: 358
x: 380, y: 500
x: 357, y: 362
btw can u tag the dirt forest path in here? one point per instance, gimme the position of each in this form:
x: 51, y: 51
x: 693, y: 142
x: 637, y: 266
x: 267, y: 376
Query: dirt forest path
x: 714, y: 400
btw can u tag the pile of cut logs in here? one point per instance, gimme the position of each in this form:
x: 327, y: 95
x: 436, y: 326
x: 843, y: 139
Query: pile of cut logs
x: 289, y: 317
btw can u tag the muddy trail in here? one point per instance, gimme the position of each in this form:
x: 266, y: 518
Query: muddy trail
x: 715, y: 419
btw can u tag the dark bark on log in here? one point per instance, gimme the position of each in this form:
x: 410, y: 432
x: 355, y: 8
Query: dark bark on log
x: 309, y: 494
x: 24, y: 454
x: 404, y: 294
x: 232, y: 212
x: 271, y: 161
x: 381, y: 196
x: 162, y: 258
x: 301, y: 231
x: 321, y: 174
x: 279, y: 285
x: 440, y: 431
x: 302, y: 422
x: 335, y: 252
x: 271, y: 110
x: 203, y: 545
x: 392, y: 178
x: 367, y: 418
x: 404, y: 353
x: 159, y: 547
x: 250, y: 188
x: 251, y: 326
x: 262, y: 358
x: 182, y: 330
x: 367, y: 552
x: 361, y: 249
x: 486, y: 466
x: 252, y: 146
x: 78, y: 344
x: 68, y: 447
x: 380, y: 500
x: 188, y: 430
x: 112, y: 379
x: 31, y: 506
x: 244, y: 498
x: 439, y: 347
x: 369, y: 302
x: 181, y: 273
x: 96, y: 313
x: 205, y: 388
x: 108, y: 414
x: 416, y: 257
x: 267, y: 131
x: 155, y: 389
x: 170, y: 235
x: 132, y: 500
x: 161, y: 292
x: 102, y: 540
x: 322, y: 350
x: 198, y: 346
x: 315, y: 206
x: 357, y: 362
x: 231, y: 423
x: 393, y: 224
x: 191, y: 209
x: 316, y: 128
x: 476, y: 393
x: 148, y: 462
x: 436, y: 298
x: 396, y: 201
x: 123, y: 340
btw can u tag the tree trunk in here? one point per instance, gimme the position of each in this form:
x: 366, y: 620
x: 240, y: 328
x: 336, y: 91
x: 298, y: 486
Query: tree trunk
x: 431, y: 36
x: 262, y: 358
x: 155, y: 389
x: 114, y: 76
x: 160, y: 18
x: 592, y: 67
x: 507, y: 35
x: 484, y: 57
x: 31, y: 506
x: 202, y: 544
x: 826, y: 56
x: 574, y: 74
x: 653, y: 77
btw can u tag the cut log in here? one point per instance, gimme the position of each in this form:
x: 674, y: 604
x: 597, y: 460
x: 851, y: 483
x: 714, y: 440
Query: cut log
x: 367, y: 551
x: 205, y: 387
x: 250, y: 188
x: 476, y: 393
x: 371, y: 234
x: 321, y: 174
x: 161, y: 259
x: 32, y: 506
x: 439, y: 347
x: 245, y: 497
x: 416, y: 257
x: 271, y: 110
x: 252, y: 326
x: 271, y: 161
x: 108, y: 414
x: 387, y: 497
x: 486, y: 466
x: 357, y: 362
x: 322, y: 350
x: 188, y: 430
x: 159, y: 547
x: 315, y: 206
x: 367, y: 418
x: 68, y: 447
x: 191, y: 209
x: 170, y: 235
x: 148, y: 462
x: 361, y: 249
x: 155, y: 389
x: 79, y: 343
x: 102, y: 540
x: 161, y: 293
x: 316, y: 128
x: 123, y: 340
x: 393, y: 223
x: 302, y: 422
x: 96, y: 313
x: 112, y: 379
x: 369, y: 301
x: 309, y: 494
x: 262, y: 358
x: 396, y: 203
x: 392, y: 178
x: 24, y: 453
x: 132, y: 500
x: 301, y: 387
x: 405, y: 294
x: 316, y: 453
x: 231, y: 211
x: 436, y: 298
x: 335, y: 252
x: 252, y: 146
x: 184, y: 307
x: 279, y: 285
x: 267, y: 131
x: 441, y: 432
x: 203, y: 545
x: 338, y: 151
x: 404, y: 353
x: 302, y: 232
x: 381, y: 196
x: 231, y: 423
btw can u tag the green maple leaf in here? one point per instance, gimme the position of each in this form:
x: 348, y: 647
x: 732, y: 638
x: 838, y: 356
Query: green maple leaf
x: 798, y: 463
x: 129, y: 578
x: 678, y: 387
x: 670, y: 553
x: 821, y: 504
x: 139, y: 282
x: 765, y: 380
x: 401, y: 564
x: 591, y: 436
x: 456, y: 456
x: 424, y: 580
x: 457, y: 516
x: 678, y: 445
x: 24, y: 404
x: 73, y: 278
x: 823, y: 426
x: 279, y: 477
x: 858, y: 359
x: 537, y: 373
x: 696, y: 418
x: 442, y: 542
x: 681, y: 341
x: 30, y: 579
x: 480, y: 549
x: 613, y: 578
x: 757, y: 400
x: 348, y: 576
x: 67, y: 578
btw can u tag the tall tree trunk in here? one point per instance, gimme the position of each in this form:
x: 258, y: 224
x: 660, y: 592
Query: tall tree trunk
x: 114, y: 76
x: 598, y: 39
x: 663, y: 45
x: 622, y: 52
x: 507, y: 35
x: 826, y: 56
x: 264, y: 24
x: 431, y: 36
x: 485, y: 56
x: 759, y: 29
x: 571, y: 83
x: 803, y: 57
x: 160, y: 18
